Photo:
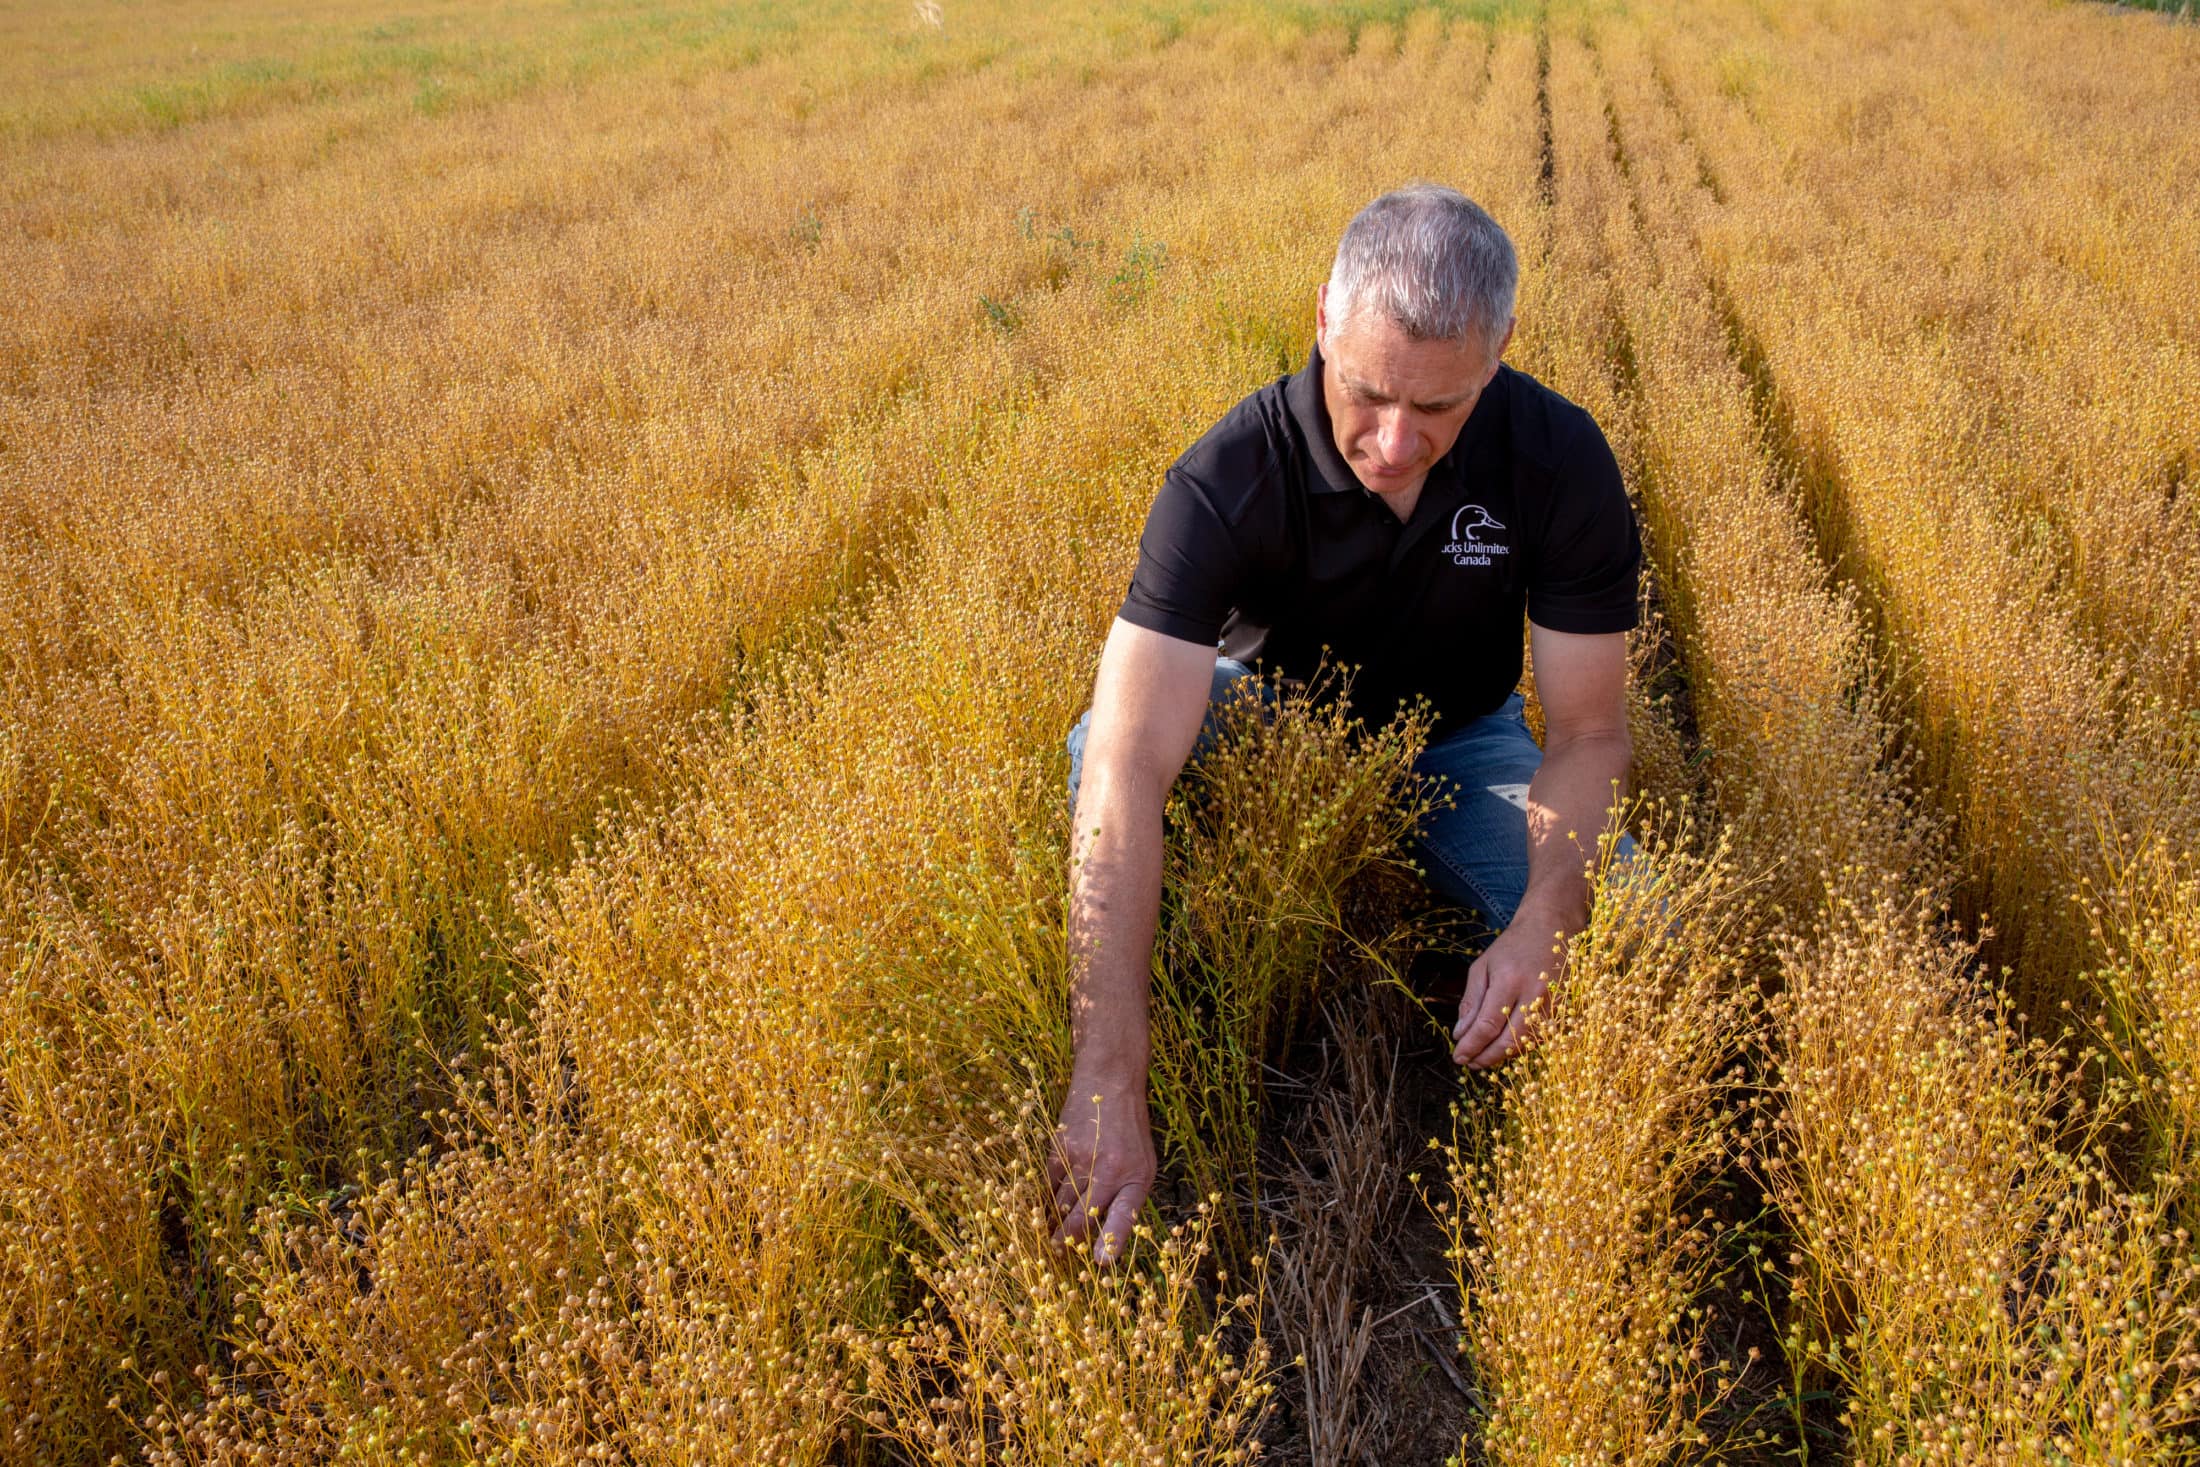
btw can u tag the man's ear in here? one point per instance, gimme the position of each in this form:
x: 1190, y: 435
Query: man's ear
x: 1321, y: 317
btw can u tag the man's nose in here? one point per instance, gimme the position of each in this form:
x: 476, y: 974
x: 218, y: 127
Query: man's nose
x: 1394, y: 438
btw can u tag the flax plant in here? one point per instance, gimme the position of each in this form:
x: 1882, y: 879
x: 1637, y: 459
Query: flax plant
x: 1964, y: 1265
x: 2011, y: 702
x: 1542, y: 1346
x: 731, y: 985
x: 1800, y: 739
x: 547, y: 559
x: 564, y: 1275
x: 296, y: 744
x: 1273, y: 822
x: 2067, y: 316
x: 1783, y: 717
x: 2149, y: 923
x: 1023, y: 1352
x: 1578, y: 1238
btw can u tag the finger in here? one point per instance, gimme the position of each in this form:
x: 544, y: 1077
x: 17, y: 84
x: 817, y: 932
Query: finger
x: 1076, y: 1212
x: 1470, y: 1001
x: 1057, y: 1162
x: 1489, y: 1026
x: 1115, y: 1229
x: 1500, y: 1049
x: 1489, y: 1022
x: 1515, y: 1034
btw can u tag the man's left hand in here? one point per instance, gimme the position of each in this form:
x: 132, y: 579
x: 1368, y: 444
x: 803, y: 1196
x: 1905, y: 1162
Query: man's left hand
x: 1504, y: 986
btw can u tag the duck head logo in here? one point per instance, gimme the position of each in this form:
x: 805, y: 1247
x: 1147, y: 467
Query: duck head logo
x: 1467, y: 545
x: 1471, y: 518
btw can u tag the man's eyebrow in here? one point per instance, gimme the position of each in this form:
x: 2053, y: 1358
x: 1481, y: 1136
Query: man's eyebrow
x: 1362, y: 389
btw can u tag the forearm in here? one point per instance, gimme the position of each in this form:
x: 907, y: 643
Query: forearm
x: 1567, y: 804
x: 1114, y: 902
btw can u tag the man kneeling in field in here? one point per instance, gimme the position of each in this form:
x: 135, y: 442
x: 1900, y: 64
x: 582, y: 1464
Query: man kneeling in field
x: 1402, y: 502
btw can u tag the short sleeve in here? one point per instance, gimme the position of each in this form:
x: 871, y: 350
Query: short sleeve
x: 1189, y: 565
x: 1591, y: 558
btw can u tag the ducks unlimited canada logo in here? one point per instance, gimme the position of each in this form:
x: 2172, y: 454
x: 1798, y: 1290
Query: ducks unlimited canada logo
x: 1467, y: 547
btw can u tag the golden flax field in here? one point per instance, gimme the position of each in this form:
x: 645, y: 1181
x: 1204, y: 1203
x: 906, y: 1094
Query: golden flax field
x: 547, y: 553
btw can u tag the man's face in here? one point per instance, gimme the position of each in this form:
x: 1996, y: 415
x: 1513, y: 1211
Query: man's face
x: 1396, y: 405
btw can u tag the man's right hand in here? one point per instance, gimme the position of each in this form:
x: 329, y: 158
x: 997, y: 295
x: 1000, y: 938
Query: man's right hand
x: 1102, y: 1163
x: 1147, y: 703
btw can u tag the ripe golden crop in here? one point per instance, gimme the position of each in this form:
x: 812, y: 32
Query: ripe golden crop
x: 546, y: 556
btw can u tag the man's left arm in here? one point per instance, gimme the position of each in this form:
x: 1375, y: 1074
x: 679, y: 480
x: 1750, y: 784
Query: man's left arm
x: 1581, y: 681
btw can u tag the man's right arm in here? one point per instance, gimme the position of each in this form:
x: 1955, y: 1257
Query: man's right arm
x: 1147, y: 706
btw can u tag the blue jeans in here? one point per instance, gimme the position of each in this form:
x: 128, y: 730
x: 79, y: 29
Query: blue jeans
x: 1475, y: 851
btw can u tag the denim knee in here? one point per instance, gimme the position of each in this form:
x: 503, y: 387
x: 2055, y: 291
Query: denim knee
x: 1077, y: 755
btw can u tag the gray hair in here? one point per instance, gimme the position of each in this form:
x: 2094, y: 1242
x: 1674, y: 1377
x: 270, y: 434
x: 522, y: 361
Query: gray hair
x: 1431, y: 261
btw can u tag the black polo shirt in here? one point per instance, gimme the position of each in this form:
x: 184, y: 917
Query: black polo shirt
x: 1263, y: 518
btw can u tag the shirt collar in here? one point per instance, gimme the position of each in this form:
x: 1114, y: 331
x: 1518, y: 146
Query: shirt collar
x: 1302, y: 393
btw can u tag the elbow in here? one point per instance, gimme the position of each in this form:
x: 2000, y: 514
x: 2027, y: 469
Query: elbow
x: 1123, y: 780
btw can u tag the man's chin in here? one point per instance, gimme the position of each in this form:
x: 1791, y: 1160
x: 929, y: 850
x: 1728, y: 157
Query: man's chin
x: 1376, y: 483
